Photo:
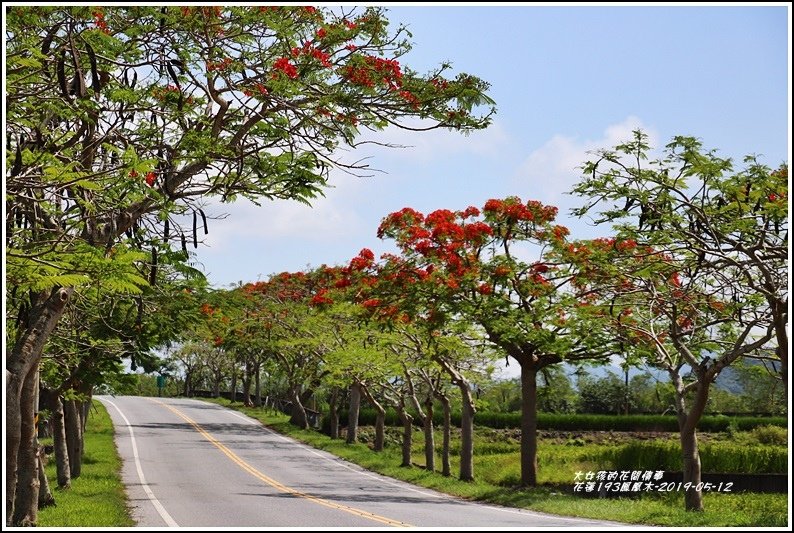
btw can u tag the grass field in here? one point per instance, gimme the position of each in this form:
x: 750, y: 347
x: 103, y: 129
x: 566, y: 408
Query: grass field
x: 497, y: 474
x: 97, y: 497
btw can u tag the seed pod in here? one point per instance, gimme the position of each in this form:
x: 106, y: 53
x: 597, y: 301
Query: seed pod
x: 204, y: 220
x: 165, y: 231
x: 153, y: 271
x: 17, y: 168
x: 184, y: 242
x: 173, y: 75
x: 60, y: 70
x: 195, y: 237
x: 95, y: 82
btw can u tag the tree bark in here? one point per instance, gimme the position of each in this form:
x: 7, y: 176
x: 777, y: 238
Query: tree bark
x: 352, y: 413
x: 216, y: 385
x: 46, y: 499
x: 466, y: 432
x: 59, y: 442
x: 779, y: 315
x: 298, y: 412
x: 247, y: 385
x: 257, y: 386
x: 26, y: 502
x: 74, y: 441
x: 25, y: 355
x: 233, y: 387
x: 430, y: 441
x: 529, y: 424
x: 687, y: 423
x: 333, y: 414
x: 408, y: 434
x: 186, y: 388
x: 447, y: 429
x: 380, y: 420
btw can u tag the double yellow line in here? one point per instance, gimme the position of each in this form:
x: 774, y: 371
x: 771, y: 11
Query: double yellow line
x: 272, y: 482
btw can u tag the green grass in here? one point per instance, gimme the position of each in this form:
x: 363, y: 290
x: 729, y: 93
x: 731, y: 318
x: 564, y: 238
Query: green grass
x: 497, y: 472
x: 97, y: 497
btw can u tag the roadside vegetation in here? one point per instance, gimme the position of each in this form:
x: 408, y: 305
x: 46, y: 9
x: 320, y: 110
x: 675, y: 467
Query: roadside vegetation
x: 498, y: 466
x: 97, y: 498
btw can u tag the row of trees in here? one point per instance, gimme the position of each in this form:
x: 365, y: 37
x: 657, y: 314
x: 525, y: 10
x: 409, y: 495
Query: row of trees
x: 122, y: 123
x: 690, y: 284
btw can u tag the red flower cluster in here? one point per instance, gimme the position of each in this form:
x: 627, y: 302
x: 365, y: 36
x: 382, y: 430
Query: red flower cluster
x: 282, y: 64
x: 150, y: 178
x: 513, y: 210
x: 163, y: 93
x: 309, y: 50
x: 99, y: 20
x: 375, y: 70
x: 439, y: 83
x: 258, y: 87
x: 321, y: 298
x: 411, y: 98
x: 363, y: 260
x: 219, y: 65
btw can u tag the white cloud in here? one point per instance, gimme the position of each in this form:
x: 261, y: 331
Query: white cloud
x: 554, y: 168
x: 326, y: 220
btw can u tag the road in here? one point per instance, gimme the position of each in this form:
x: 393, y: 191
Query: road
x: 192, y: 463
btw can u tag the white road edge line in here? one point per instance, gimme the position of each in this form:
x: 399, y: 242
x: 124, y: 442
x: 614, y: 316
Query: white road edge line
x: 170, y: 522
x: 403, y: 485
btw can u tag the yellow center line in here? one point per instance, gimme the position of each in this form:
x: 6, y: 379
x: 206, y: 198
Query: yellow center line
x: 272, y: 482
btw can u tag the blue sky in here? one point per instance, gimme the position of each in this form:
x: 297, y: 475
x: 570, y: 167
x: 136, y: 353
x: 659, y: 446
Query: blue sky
x: 566, y: 80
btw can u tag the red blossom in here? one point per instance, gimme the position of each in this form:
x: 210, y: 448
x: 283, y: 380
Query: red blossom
x: 282, y: 64
x: 321, y: 298
x: 321, y: 33
x: 150, y: 177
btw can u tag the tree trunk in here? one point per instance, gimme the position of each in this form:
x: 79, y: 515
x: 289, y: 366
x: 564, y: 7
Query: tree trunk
x: 59, y: 442
x: 352, y: 413
x: 298, y: 413
x: 687, y: 424
x: 216, y: 384
x: 186, y: 387
x: 333, y: 414
x: 73, y: 437
x: 430, y: 441
x: 46, y: 498
x: 529, y: 424
x: 247, y: 385
x: 26, y: 501
x: 781, y: 335
x: 25, y: 355
x: 380, y: 421
x: 86, y: 410
x: 233, y: 387
x: 466, y: 432
x: 257, y: 386
x: 445, y: 467
x: 408, y: 434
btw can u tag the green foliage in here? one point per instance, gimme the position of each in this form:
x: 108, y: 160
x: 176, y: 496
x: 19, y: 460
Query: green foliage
x: 499, y: 473
x: 97, y: 498
x: 716, y: 457
x: 771, y: 435
x: 605, y: 395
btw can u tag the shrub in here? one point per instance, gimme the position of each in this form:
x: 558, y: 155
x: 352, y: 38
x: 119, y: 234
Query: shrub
x: 772, y: 435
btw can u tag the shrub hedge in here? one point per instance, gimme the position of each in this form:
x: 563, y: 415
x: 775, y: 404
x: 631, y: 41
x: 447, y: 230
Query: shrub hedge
x: 584, y: 422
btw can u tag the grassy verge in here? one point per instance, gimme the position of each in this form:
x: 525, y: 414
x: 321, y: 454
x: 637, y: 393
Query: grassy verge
x: 97, y: 497
x: 497, y: 474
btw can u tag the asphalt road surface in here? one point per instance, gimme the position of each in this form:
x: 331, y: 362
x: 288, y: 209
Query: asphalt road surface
x: 191, y: 463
